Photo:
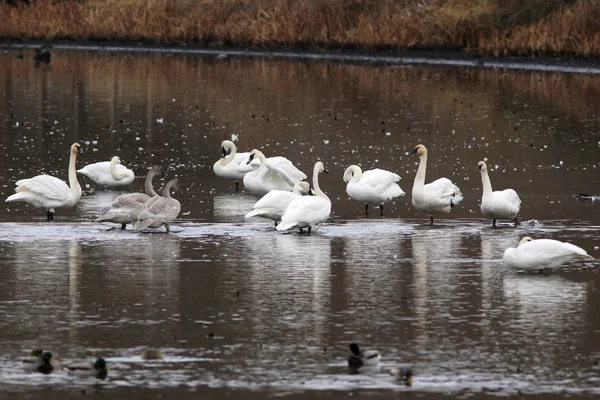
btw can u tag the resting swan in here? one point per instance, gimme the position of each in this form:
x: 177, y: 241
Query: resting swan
x: 503, y: 204
x: 435, y: 197
x: 227, y: 166
x: 542, y: 254
x: 308, y: 211
x: 273, y: 204
x: 274, y: 173
x: 45, y: 191
x: 373, y: 186
x: 108, y: 173
x: 126, y: 208
x: 159, y: 210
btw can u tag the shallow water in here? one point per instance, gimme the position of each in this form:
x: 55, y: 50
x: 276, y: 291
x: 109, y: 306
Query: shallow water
x: 240, y: 308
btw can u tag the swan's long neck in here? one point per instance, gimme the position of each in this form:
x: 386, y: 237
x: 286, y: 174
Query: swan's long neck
x: 316, y: 186
x: 261, y: 157
x: 148, y: 185
x: 113, y: 170
x: 73, y: 183
x: 356, y: 174
x: 420, y: 177
x: 487, y: 185
x: 167, y: 189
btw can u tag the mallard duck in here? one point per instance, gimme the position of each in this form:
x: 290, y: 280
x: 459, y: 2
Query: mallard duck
x: 98, y: 369
x: 152, y: 354
x: 39, y: 361
x: 403, y: 375
x: 360, y: 358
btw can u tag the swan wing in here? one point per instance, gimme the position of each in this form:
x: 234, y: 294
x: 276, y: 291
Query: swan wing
x: 542, y: 253
x: 45, y: 186
x: 382, y: 182
x: 444, y: 188
x: 284, y: 168
x: 508, y: 196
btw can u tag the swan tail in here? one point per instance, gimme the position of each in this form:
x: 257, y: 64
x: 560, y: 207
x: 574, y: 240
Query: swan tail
x: 21, y: 195
x: 139, y: 225
x: 284, y: 226
x: 253, y: 213
x: 84, y: 172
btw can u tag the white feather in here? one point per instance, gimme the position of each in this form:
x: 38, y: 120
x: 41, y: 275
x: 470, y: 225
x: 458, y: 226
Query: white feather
x: 499, y: 204
x: 373, y: 186
x: 108, y: 173
x: 541, y: 254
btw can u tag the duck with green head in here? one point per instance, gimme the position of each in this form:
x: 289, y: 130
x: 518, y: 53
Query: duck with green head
x: 39, y: 361
x: 98, y: 369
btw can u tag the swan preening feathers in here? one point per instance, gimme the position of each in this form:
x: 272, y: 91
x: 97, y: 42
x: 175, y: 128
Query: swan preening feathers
x: 274, y: 173
x: 273, y: 204
x: 501, y: 204
x: 228, y: 167
x: 45, y: 191
x: 434, y: 198
x: 373, y: 186
x: 542, y: 254
x: 108, y: 173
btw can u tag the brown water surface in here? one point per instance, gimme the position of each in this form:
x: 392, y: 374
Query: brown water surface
x: 241, y: 309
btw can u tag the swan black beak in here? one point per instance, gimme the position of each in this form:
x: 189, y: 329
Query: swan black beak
x: 163, y: 173
x: 325, y: 170
x: 250, y: 159
x: 224, y: 152
x: 478, y: 169
x: 414, y: 151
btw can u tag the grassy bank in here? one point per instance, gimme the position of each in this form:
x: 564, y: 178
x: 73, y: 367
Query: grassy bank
x: 493, y: 27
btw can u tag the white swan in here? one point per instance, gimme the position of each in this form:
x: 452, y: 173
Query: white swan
x: 308, y: 211
x: 274, y: 173
x: 360, y: 358
x: 45, y: 191
x: 227, y: 167
x: 542, y: 254
x: 273, y: 204
x: 435, y: 197
x: 108, y: 173
x: 126, y: 208
x: 159, y: 210
x: 503, y: 204
x: 373, y: 186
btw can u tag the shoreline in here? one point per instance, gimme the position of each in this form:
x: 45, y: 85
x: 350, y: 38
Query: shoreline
x: 409, y: 57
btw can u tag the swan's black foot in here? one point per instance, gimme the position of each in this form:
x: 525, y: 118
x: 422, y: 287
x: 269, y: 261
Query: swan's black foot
x: 123, y: 226
x: 517, y: 223
x: 494, y: 223
x: 431, y: 218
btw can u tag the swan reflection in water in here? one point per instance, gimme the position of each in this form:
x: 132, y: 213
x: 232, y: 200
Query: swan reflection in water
x: 288, y: 279
x: 233, y: 208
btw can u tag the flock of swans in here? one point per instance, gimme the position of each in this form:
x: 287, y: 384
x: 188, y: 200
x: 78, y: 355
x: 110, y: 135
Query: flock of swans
x: 287, y: 199
x: 292, y: 203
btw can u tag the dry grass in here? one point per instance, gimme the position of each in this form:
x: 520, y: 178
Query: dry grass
x: 498, y: 27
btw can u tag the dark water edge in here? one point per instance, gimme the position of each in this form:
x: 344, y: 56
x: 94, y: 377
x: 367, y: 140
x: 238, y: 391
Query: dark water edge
x: 411, y: 57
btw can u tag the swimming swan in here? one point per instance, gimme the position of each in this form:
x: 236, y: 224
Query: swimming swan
x: 360, y: 358
x: 435, y: 197
x: 159, y: 210
x: 373, y: 186
x: 45, y: 191
x: 227, y: 166
x: 108, y: 173
x: 274, y: 173
x: 273, y: 204
x: 308, y: 211
x: 126, y: 208
x: 501, y: 204
x: 542, y: 254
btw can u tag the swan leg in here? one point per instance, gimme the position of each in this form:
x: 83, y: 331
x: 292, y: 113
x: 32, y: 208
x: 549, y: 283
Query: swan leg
x: 494, y: 222
x: 381, y: 208
x: 237, y: 186
x: 517, y: 222
x: 50, y: 215
x: 275, y: 224
x: 168, y: 227
x: 367, y: 209
x: 431, y: 218
x: 301, y: 230
x: 123, y: 226
x: 309, y: 229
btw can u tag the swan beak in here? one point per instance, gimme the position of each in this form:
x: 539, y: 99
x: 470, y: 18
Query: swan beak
x: 478, y: 169
x: 325, y: 170
x: 250, y: 159
x: 414, y: 151
x: 224, y: 152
